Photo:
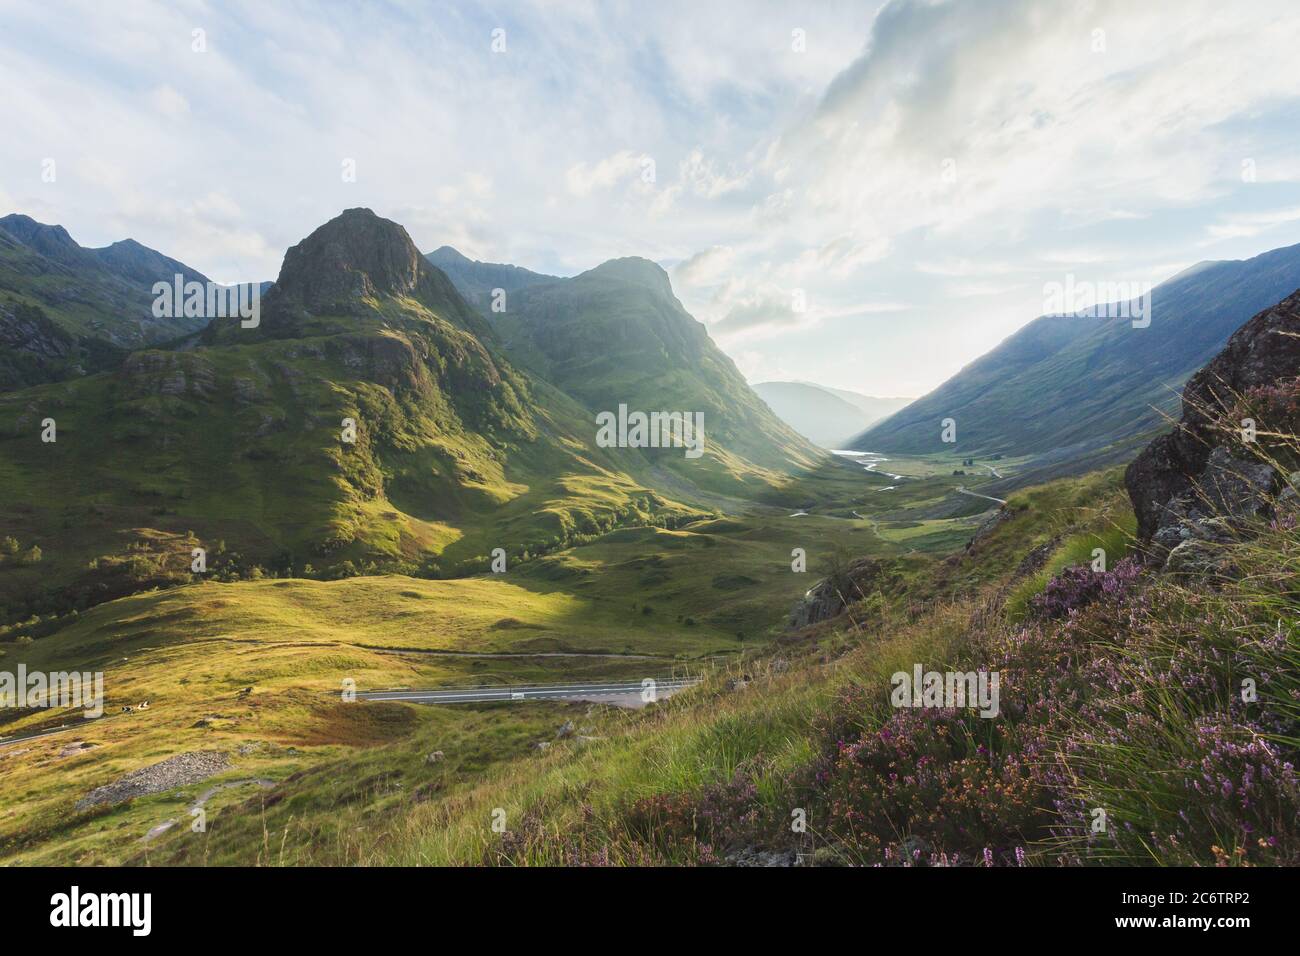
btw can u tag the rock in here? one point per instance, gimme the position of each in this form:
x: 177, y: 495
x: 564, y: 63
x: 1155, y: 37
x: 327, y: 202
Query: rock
x: 73, y: 749
x: 1199, y: 482
x: 825, y: 599
x: 435, y: 757
x: 1198, y: 557
x: 1288, y: 501
x: 566, y: 730
x: 754, y: 856
x: 159, y: 830
x: 826, y: 856
x: 986, y: 528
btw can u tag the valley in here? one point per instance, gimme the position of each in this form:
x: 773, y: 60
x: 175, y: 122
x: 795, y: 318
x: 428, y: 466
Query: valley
x: 388, y: 567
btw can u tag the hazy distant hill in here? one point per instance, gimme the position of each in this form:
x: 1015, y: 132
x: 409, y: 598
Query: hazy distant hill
x: 1065, y: 386
x: 475, y: 280
x: 830, y: 417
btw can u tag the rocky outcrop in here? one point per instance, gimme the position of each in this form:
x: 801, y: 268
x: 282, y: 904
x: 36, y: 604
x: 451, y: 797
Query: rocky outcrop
x: 1201, y: 483
x: 827, y: 598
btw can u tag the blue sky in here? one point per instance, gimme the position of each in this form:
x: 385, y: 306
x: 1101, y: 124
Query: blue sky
x: 867, y: 195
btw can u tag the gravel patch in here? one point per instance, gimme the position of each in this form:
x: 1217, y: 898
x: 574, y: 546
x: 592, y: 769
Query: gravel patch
x: 178, y: 771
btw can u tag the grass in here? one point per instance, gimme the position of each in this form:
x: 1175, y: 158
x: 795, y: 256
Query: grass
x: 192, y: 650
x: 690, y: 779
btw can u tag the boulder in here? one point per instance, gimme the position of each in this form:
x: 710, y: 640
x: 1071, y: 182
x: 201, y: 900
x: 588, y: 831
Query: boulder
x: 1201, y: 482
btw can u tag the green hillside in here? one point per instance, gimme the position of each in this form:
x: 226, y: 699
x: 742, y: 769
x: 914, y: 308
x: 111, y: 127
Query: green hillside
x: 238, y: 437
x: 1072, y: 385
x: 617, y: 335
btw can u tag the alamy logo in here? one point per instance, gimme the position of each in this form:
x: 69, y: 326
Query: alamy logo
x: 208, y: 300
x: 653, y: 430
x: 54, y: 689
x: 1099, y: 300
x: 103, y: 909
x: 946, y: 689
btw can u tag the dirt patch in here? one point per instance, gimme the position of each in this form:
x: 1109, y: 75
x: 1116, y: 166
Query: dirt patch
x: 358, y: 724
x: 514, y: 624
x: 178, y: 771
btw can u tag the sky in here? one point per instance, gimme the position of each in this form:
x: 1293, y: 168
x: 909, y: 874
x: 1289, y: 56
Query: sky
x: 868, y: 195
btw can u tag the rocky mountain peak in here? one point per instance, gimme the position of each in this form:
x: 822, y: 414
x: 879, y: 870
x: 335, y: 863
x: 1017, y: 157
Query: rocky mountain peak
x: 53, y: 242
x: 635, y: 269
x: 354, y: 255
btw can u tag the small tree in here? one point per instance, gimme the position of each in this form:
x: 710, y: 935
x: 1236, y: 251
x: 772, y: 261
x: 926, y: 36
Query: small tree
x: 32, y: 556
x: 9, y: 545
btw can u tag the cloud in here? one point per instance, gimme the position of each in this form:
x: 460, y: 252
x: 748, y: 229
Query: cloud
x: 706, y: 181
x: 704, y: 267
x: 167, y: 101
x: 973, y: 118
x: 914, y: 139
x: 583, y: 179
x: 1252, y: 224
x: 839, y: 258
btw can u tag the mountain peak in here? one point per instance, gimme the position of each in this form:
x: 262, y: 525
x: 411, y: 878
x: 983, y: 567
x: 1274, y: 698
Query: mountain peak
x: 354, y: 255
x: 634, y: 269
x: 448, y: 254
x: 53, y: 242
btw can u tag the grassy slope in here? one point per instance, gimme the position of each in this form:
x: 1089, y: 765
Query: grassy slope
x: 617, y: 335
x: 674, y: 596
x: 241, y: 444
x: 191, y: 651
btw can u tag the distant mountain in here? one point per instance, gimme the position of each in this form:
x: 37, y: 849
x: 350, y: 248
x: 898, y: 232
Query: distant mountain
x: 1066, y: 386
x: 66, y: 310
x: 875, y: 407
x: 829, y: 417
x: 617, y: 335
x: 476, y: 280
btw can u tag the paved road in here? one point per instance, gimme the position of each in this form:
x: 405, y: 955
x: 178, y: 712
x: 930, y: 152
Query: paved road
x: 976, y: 494
x: 63, y: 729
x: 665, y: 687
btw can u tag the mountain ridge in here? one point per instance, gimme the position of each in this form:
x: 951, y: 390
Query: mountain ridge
x: 1070, y: 381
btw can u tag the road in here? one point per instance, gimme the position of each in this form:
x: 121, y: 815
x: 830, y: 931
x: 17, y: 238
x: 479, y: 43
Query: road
x: 62, y: 729
x: 624, y: 693
x: 976, y: 494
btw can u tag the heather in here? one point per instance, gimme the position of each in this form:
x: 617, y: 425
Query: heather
x: 1143, y: 720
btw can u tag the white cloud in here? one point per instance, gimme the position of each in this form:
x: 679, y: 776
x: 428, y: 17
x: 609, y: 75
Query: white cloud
x: 167, y: 101
x: 704, y: 267
x: 1252, y: 224
x: 585, y: 178
x: 826, y: 171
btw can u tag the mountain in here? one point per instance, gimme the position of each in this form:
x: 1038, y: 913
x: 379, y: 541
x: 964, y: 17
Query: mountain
x: 829, y: 417
x: 875, y: 407
x: 476, y: 280
x: 370, y: 421
x: 1067, y: 386
x: 66, y: 310
x: 616, y: 335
